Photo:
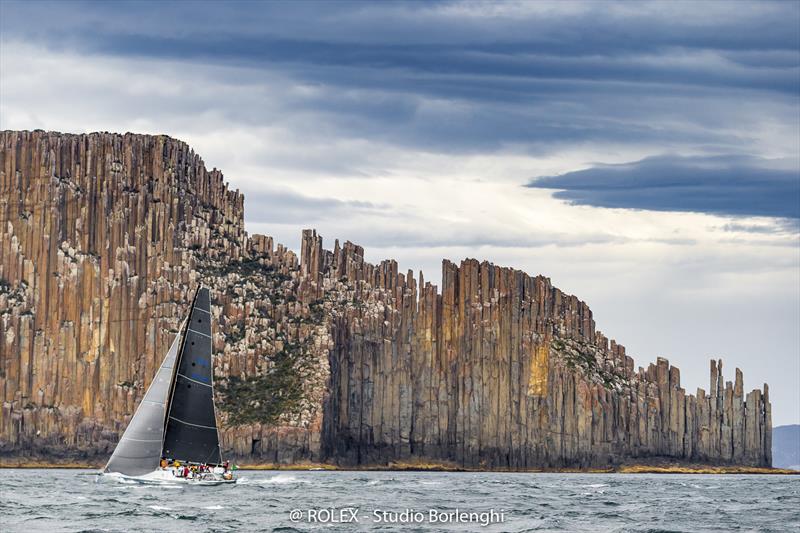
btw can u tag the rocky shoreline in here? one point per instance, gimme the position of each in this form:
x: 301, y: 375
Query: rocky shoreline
x: 438, y: 467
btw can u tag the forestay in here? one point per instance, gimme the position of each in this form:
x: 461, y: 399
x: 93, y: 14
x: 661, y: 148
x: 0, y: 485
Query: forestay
x: 139, y: 449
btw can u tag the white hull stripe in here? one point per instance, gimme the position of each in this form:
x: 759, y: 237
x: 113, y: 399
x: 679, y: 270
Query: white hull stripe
x: 190, y: 424
x: 195, y: 381
x: 203, y: 310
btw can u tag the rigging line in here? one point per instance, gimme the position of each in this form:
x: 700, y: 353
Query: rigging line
x: 150, y: 306
x: 177, y: 365
x: 98, y: 320
x: 117, y: 321
x: 38, y: 210
x: 134, y: 316
x: 50, y: 204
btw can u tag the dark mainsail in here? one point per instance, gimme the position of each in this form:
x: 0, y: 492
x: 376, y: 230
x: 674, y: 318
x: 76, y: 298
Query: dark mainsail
x: 191, y: 425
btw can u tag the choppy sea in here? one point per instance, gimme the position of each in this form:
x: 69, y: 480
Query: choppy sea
x: 72, y: 500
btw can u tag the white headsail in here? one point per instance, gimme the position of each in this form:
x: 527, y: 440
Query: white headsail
x: 139, y: 449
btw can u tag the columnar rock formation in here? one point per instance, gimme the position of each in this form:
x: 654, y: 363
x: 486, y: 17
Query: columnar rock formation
x: 104, y: 237
x: 103, y: 240
x: 503, y: 370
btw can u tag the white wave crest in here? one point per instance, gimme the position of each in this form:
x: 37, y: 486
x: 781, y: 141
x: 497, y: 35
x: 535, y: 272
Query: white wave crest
x: 281, y: 479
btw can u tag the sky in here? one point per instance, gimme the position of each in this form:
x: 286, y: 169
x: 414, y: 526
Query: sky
x: 645, y: 156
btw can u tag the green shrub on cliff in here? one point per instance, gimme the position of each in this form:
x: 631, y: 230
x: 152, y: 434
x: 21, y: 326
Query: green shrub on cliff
x: 264, y: 398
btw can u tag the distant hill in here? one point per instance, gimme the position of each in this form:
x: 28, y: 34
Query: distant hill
x: 786, y: 447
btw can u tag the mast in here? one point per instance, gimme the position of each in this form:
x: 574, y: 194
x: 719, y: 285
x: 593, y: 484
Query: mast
x: 184, y: 327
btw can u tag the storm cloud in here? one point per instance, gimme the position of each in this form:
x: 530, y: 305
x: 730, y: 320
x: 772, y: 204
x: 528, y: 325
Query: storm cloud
x: 727, y: 185
x: 457, y: 77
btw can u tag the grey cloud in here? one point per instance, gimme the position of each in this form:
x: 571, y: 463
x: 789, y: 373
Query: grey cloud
x: 535, y: 76
x: 779, y: 226
x: 727, y: 185
x: 556, y: 28
x: 375, y: 224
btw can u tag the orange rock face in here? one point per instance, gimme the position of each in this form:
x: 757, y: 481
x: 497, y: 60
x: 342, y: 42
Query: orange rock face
x: 104, y: 237
x: 503, y: 370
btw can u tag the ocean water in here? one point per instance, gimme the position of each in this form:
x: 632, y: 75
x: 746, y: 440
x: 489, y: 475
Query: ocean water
x: 71, y: 500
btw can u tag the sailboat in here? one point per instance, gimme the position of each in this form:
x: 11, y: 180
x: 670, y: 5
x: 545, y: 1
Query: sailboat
x: 176, y: 420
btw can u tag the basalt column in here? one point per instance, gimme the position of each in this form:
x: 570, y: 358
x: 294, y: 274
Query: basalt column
x: 501, y: 370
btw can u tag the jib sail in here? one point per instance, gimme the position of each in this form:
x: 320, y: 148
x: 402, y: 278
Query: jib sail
x: 139, y: 449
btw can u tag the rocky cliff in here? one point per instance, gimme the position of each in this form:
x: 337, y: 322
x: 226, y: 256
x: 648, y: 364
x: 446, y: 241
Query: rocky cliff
x: 104, y: 237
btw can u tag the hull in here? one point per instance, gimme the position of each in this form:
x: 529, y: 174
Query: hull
x: 165, y: 477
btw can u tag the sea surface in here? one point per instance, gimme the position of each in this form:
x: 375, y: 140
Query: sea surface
x: 73, y: 500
